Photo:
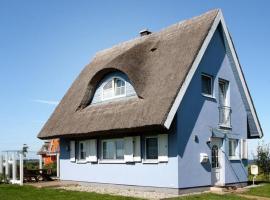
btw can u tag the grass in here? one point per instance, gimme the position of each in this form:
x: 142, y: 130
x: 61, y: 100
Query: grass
x: 210, y: 196
x: 263, y: 191
x: 12, y: 192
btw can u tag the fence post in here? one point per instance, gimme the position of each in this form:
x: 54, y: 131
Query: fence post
x: 7, y: 166
x: 58, y: 164
x: 40, y: 162
x: 21, y: 168
x: 1, y: 164
x: 14, y: 167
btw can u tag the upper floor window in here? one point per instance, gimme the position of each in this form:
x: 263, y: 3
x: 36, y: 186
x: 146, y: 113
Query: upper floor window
x: 207, y: 85
x: 115, y: 87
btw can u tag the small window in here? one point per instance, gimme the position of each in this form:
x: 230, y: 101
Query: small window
x: 215, y: 157
x: 82, y: 150
x: 151, y: 147
x: 113, y: 149
x: 207, y: 85
x: 114, y: 88
x: 233, y: 147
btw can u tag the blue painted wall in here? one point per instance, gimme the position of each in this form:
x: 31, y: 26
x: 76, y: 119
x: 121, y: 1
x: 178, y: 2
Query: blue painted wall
x: 197, y: 116
x: 97, y: 98
x: 157, y: 175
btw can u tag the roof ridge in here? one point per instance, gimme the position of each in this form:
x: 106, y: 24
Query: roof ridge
x: 141, y: 39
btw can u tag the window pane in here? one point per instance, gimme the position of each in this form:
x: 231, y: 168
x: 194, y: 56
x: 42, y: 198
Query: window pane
x: 82, y: 151
x: 151, y: 148
x: 119, y: 87
x: 108, y: 85
x: 119, y: 149
x: 119, y: 91
x: 232, y: 147
x: 108, y: 150
x: 119, y: 83
x: 206, y: 85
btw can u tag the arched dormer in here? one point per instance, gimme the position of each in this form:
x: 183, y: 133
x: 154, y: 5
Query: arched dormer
x: 113, y: 86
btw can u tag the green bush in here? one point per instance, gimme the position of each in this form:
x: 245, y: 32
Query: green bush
x: 52, y: 167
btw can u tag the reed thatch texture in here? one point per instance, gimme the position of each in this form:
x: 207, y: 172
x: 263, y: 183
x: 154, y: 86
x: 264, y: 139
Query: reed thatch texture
x: 156, y: 65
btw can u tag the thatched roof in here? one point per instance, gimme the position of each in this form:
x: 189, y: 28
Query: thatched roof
x: 156, y: 65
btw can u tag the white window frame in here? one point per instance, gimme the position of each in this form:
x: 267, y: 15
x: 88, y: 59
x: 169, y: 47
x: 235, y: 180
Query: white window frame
x: 80, y: 160
x: 147, y: 160
x: 236, y: 156
x: 212, y: 85
x: 102, y: 160
x: 113, y: 88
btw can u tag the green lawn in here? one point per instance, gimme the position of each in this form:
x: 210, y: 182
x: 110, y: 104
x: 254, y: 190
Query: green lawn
x: 12, y: 192
x: 210, y: 196
x: 263, y: 191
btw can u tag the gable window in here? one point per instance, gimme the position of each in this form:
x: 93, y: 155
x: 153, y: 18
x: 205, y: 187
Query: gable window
x: 82, y: 150
x: 207, y: 85
x: 224, y: 104
x: 115, y: 87
x: 151, y: 148
x: 112, y: 149
x: 233, y: 149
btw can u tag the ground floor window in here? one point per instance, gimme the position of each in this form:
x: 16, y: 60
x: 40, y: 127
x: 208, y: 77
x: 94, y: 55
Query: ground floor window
x: 151, y: 148
x: 233, y: 148
x: 112, y: 149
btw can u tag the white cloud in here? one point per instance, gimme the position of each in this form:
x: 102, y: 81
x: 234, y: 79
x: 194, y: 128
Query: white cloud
x: 46, y: 101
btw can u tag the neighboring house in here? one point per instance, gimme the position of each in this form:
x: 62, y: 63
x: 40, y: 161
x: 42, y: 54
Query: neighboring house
x: 49, y: 151
x: 169, y: 109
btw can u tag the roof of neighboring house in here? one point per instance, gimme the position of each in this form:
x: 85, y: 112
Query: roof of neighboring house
x: 49, y: 147
x: 157, y: 65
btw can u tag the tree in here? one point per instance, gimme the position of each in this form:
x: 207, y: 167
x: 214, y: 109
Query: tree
x: 263, y: 158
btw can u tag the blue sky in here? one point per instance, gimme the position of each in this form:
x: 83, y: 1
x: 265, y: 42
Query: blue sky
x: 45, y: 44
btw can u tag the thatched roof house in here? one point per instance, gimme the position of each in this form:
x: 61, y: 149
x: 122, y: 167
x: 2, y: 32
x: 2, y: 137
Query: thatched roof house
x: 171, y: 107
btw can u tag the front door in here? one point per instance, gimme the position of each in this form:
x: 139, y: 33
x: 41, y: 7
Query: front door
x: 217, y: 162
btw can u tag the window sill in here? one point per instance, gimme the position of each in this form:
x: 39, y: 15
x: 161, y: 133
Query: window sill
x: 209, y: 96
x: 150, y: 161
x: 234, y: 158
x: 81, y: 162
x: 223, y: 126
x: 111, y: 161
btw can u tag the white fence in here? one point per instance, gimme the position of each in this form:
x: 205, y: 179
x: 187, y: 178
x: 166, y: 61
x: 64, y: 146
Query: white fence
x: 9, y: 162
x: 12, y: 164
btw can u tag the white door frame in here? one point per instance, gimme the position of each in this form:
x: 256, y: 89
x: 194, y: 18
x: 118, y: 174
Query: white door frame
x: 218, y: 173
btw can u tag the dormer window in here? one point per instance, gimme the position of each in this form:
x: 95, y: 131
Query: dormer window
x: 114, y: 88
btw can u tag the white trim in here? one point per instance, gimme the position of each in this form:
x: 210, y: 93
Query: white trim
x: 150, y: 161
x: 209, y: 96
x: 111, y: 161
x: 81, y: 162
x: 191, y: 72
x: 219, y: 19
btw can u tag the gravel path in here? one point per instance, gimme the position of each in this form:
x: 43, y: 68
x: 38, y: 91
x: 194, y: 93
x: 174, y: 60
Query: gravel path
x: 120, y: 191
